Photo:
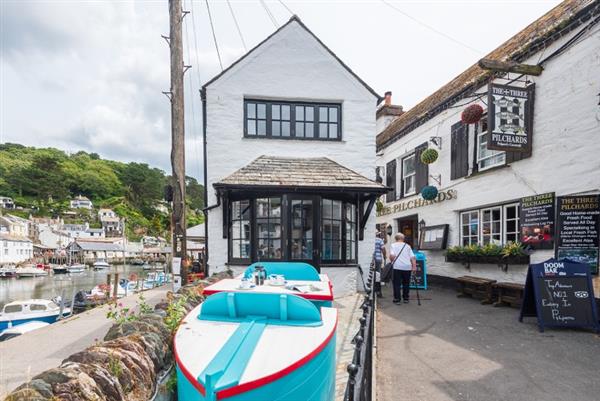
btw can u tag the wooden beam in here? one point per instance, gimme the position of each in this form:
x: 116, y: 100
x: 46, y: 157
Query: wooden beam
x: 510, y: 66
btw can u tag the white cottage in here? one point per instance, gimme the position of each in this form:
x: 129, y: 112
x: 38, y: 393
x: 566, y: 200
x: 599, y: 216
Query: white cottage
x: 481, y: 186
x: 290, y: 156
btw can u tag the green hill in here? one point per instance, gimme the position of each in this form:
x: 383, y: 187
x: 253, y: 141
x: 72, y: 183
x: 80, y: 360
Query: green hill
x: 43, y: 180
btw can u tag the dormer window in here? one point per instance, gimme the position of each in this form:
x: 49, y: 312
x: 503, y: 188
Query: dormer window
x: 292, y: 120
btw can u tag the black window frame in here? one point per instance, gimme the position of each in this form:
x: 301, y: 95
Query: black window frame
x: 316, y: 122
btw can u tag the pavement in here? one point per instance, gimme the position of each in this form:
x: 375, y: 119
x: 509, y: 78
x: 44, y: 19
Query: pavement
x: 348, y: 314
x: 25, y: 356
x: 457, y: 349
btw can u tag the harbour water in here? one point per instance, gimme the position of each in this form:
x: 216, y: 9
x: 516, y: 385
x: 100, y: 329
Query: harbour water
x: 53, y: 285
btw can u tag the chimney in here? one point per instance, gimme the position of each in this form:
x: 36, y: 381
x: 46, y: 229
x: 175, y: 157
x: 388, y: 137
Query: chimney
x: 388, y: 98
x: 387, y: 112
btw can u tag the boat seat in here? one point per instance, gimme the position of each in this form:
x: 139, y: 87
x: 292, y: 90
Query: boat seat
x: 291, y: 270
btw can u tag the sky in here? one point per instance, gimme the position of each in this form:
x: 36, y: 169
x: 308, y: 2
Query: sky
x: 88, y: 75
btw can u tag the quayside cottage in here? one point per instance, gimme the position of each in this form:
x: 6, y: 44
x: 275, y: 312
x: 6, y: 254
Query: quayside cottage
x: 290, y: 157
x: 517, y: 154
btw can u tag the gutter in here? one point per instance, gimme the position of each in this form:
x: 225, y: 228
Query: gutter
x: 204, y: 151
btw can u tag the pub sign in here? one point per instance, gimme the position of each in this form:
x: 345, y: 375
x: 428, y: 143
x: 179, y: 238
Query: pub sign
x: 510, y: 117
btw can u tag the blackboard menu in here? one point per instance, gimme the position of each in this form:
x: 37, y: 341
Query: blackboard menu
x: 578, y: 229
x: 560, y: 294
x: 419, y: 278
x: 537, y: 221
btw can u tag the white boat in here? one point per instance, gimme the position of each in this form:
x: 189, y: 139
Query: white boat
x: 76, y: 268
x: 19, y: 312
x: 59, y: 269
x: 21, y: 329
x: 30, y: 271
x: 101, y: 264
x: 8, y: 271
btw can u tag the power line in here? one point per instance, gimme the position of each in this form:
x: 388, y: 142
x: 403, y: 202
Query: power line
x: 431, y: 28
x: 286, y: 7
x: 273, y: 20
x: 237, y: 26
x: 212, y: 28
x: 195, y: 43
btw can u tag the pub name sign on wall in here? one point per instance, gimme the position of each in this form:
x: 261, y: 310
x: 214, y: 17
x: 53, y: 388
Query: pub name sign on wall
x: 510, y: 117
x: 415, y: 203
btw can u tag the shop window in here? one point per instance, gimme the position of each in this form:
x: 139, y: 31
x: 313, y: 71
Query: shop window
x: 469, y: 228
x: 487, y: 158
x: 240, y: 238
x: 408, y: 175
x: 268, y: 228
x: 493, y: 225
x: 332, y: 230
x: 511, y: 217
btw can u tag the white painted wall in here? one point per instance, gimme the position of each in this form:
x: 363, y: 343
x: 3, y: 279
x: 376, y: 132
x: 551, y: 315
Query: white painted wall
x: 14, y: 251
x: 565, y: 156
x: 292, y: 65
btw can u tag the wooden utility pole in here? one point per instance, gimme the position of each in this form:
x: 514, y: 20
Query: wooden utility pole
x: 177, y: 134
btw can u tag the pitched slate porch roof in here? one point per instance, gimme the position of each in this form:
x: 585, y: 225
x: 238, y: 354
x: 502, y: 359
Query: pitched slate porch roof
x: 317, y: 173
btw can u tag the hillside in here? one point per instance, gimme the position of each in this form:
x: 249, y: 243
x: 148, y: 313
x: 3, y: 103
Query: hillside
x: 43, y: 180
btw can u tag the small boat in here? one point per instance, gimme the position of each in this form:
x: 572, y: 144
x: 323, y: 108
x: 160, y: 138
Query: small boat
x: 256, y: 346
x: 40, y: 310
x: 60, y: 269
x: 30, y: 271
x: 8, y: 271
x: 76, y: 268
x: 21, y: 329
x: 101, y: 264
x: 153, y: 266
x: 137, y: 262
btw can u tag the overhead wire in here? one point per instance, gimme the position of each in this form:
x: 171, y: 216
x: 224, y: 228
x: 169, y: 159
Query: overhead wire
x: 212, y: 28
x: 430, y: 27
x: 237, y: 25
x: 196, y: 44
x: 271, y: 16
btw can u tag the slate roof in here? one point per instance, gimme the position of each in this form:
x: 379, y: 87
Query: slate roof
x: 559, y: 21
x: 99, y: 246
x: 293, y: 172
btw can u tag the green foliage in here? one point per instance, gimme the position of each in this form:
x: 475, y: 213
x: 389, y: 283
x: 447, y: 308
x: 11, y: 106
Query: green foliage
x: 114, y: 366
x: 510, y: 249
x: 429, y: 156
x: 513, y: 249
x: 120, y: 314
x: 175, y: 312
x: 171, y: 384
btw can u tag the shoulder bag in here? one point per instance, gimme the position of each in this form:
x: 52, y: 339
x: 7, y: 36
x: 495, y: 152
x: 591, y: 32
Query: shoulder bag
x: 386, y: 274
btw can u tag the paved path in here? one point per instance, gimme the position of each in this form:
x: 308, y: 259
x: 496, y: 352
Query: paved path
x: 28, y: 355
x: 456, y: 349
x: 348, y: 313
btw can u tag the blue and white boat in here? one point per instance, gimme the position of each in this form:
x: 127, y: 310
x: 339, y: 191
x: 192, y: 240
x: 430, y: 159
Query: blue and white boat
x: 39, y: 310
x: 255, y: 346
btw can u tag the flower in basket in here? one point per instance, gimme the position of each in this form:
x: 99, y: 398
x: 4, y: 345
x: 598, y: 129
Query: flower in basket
x: 429, y: 156
x: 471, y: 114
x: 429, y: 192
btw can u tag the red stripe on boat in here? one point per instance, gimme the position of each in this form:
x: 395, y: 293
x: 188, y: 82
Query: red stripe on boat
x: 186, y: 373
x: 241, y: 388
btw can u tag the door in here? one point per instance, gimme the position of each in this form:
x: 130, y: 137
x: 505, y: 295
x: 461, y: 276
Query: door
x: 302, y: 230
x: 408, y: 227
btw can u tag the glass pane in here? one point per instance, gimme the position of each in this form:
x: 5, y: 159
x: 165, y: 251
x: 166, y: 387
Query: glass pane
x: 236, y: 229
x: 333, y: 130
x: 496, y: 214
x: 236, y: 249
x: 300, y: 130
x: 299, y: 113
x: 310, y: 130
x: 465, y: 218
x: 276, y: 128
x: 408, y: 166
x: 337, y: 209
x: 262, y: 205
x: 510, y: 212
x: 251, y: 110
x: 275, y: 207
x: 486, y: 215
x: 285, y: 112
x: 485, y: 228
x: 262, y: 228
x: 322, y: 130
x: 310, y: 113
x: 245, y: 209
x: 474, y: 229
x: 275, y: 111
x: 285, y: 128
x: 261, y: 110
x: 327, y: 208
x: 251, y: 127
x: 333, y: 115
x: 511, y: 238
x: 465, y: 230
x: 322, y: 113
x: 496, y: 227
x: 262, y: 128
x: 336, y: 248
x: 511, y: 226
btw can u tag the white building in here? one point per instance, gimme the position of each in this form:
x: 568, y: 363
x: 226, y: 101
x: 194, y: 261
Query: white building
x: 52, y: 238
x: 111, y: 223
x: 81, y: 202
x: 290, y: 156
x: 15, y: 226
x: 15, y: 246
x: 6, y: 202
x: 480, y: 189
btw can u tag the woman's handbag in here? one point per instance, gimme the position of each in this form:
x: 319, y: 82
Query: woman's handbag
x: 388, y: 269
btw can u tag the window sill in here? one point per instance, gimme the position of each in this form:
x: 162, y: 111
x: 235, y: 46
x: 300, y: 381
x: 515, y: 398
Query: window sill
x: 478, y: 173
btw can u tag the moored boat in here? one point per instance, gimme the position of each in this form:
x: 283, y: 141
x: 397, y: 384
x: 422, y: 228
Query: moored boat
x: 21, y: 329
x: 30, y: 271
x: 256, y: 346
x: 76, y: 268
x: 8, y: 271
x: 60, y: 269
x: 39, y: 310
x: 101, y: 264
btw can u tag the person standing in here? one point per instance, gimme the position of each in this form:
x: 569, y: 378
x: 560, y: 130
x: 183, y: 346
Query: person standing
x: 378, y: 258
x: 405, y: 262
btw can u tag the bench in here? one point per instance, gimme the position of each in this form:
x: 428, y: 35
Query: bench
x: 476, y: 287
x: 510, y: 294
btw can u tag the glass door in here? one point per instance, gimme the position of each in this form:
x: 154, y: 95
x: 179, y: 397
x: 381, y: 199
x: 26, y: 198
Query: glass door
x: 302, y: 233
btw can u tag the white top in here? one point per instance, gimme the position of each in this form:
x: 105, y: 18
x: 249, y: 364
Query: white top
x: 404, y: 260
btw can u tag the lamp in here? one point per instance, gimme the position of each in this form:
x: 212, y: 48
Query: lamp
x: 422, y: 225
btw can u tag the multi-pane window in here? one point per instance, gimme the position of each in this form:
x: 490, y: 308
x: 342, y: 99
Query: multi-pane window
x: 350, y: 232
x: 511, y: 218
x: 492, y: 225
x: 332, y: 229
x: 240, y: 229
x: 469, y: 222
x: 268, y: 228
x: 408, y: 175
x: 272, y: 119
x: 487, y: 158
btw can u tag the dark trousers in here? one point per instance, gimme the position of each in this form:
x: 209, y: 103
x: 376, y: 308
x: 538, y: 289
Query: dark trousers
x: 378, y: 264
x: 401, y: 279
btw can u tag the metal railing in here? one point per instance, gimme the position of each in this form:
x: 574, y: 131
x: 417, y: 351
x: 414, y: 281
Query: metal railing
x: 360, y: 370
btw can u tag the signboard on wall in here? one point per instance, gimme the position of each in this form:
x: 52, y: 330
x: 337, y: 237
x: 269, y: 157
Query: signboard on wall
x: 537, y: 221
x: 510, y: 117
x: 578, y: 229
x: 434, y: 237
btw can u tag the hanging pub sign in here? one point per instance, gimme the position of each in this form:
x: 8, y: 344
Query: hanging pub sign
x: 510, y: 117
x: 537, y: 221
x: 578, y: 229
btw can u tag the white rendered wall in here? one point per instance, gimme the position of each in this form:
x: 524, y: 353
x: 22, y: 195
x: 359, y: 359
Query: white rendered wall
x: 565, y: 158
x: 292, y: 65
x: 15, y: 251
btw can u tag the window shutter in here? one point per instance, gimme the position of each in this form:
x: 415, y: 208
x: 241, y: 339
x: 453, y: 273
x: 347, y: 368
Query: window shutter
x: 459, y: 151
x: 390, y: 180
x: 421, y: 169
x: 516, y: 156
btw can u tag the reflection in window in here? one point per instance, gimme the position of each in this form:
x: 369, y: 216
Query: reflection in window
x: 487, y: 158
x: 302, y: 229
x: 491, y: 226
x: 350, y: 232
x: 240, y: 229
x: 470, y: 228
x: 280, y: 120
x: 408, y: 175
x: 268, y: 228
x: 332, y: 229
x: 256, y: 119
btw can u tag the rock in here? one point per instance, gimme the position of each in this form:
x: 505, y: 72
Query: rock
x: 43, y: 388
x: 25, y: 394
x: 70, y: 383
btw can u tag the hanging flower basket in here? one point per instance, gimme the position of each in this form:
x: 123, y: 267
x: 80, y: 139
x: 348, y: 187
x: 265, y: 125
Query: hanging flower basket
x: 471, y: 114
x: 429, y: 156
x: 429, y: 192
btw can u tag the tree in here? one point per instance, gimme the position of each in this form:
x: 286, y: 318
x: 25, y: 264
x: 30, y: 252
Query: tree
x: 194, y: 194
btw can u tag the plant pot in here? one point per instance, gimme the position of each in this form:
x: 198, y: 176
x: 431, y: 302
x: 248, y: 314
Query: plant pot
x: 483, y: 259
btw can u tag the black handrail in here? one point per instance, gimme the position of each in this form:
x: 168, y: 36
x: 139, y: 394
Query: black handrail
x: 360, y: 370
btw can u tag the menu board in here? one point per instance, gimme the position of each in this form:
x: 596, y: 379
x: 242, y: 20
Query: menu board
x: 578, y: 229
x: 537, y: 221
x: 560, y: 294
x: 434, y: 237
x: 419, y: 277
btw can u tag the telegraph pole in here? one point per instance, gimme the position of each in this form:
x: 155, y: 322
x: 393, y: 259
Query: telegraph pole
x: 177, y: 136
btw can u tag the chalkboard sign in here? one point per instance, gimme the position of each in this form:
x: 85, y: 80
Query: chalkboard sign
x: 419, y: 278
x: 560, y: 294
x: 537, y: 221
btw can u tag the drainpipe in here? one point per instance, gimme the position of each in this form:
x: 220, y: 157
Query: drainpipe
x: 203, y: 99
